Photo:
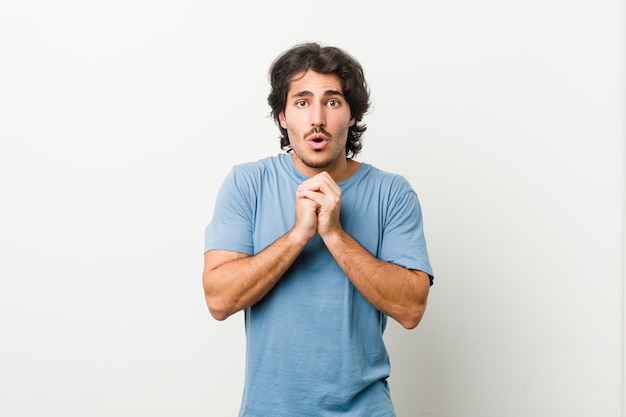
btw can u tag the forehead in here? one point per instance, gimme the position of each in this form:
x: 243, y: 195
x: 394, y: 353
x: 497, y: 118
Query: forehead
x: 315, y: 82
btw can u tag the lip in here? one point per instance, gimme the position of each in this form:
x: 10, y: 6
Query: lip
x: 317, y: 141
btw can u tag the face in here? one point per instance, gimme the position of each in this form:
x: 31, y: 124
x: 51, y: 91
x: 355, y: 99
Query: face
x: 317, y: 118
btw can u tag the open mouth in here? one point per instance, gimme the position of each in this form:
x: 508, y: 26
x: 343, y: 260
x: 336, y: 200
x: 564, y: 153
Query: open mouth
x: 318, y: 142
x: 318, y: 137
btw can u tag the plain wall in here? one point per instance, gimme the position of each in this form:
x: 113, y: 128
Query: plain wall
x: 119, y: 120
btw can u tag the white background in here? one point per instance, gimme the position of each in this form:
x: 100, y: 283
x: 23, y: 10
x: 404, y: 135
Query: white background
x: 119, y: 120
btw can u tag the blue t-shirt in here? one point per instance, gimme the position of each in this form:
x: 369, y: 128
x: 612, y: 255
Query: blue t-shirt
x: 314, y: 343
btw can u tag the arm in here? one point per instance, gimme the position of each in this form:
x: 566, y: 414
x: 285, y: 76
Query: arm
x: 396, y: 291
x: 233, y: 281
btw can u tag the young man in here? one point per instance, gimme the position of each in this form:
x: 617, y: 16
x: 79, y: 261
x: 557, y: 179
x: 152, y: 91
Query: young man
x: 317, y: 249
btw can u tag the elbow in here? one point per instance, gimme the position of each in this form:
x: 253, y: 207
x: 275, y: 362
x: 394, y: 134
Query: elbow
x: 414, y: 308
x: 410, y: 323
x: 412, y: 318
x: 216, y: 302
x: 219, y: 315
x: 219, y: 311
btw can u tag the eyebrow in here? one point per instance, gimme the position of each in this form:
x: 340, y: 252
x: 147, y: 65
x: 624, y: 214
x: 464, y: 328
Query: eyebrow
x: 327, y: 93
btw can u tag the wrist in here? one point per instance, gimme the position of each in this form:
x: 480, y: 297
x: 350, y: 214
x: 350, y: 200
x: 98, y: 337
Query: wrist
x: 332, y: 237
x: 296, y: 238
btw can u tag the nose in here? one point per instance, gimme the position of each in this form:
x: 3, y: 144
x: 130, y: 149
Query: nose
x: 318, y: 116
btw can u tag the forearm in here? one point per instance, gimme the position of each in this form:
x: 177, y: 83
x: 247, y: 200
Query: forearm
x: 237, y: 281
x: 396, y: 291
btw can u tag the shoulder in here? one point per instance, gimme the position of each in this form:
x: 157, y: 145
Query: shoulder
x: 269, y: 163
x: 250, y: 172
x: 251, y: 179
x: 385, y: 180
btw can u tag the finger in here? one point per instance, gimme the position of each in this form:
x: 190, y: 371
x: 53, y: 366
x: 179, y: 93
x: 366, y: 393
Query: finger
x: 321, y: 178
x: 311, y: 195
x: 323, y: 202
x: 323, y: 183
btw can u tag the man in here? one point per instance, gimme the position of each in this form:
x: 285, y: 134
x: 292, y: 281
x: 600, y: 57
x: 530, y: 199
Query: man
x: 317, y: 249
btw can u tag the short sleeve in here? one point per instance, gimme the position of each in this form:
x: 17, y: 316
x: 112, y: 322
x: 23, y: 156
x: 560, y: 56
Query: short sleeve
x: 231, y: 227
x: 403, y: 241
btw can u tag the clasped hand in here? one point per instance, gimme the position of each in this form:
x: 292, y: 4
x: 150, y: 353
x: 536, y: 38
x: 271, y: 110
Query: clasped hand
x: 318, y: 201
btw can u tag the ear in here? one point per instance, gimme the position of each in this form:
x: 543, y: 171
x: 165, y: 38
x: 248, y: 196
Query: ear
x: 281, y: 119
x: 352, y: 121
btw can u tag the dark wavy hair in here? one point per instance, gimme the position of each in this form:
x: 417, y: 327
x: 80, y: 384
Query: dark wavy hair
x: 325, y: 60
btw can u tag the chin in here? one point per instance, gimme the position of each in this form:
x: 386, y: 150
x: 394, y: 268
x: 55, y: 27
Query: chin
x: 321, y: 159
x: 317, y: 164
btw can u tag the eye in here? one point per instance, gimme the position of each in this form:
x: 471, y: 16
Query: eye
x: 301, y: 103
x: 333, y: 103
